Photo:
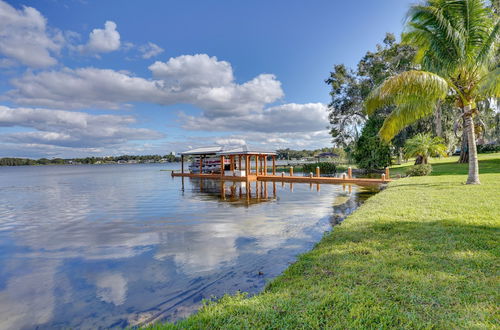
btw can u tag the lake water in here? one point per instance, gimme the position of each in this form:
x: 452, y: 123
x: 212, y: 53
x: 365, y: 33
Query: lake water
x: 120, y: 245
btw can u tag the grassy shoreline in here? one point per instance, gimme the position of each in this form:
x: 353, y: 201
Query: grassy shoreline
x: 423, y: 253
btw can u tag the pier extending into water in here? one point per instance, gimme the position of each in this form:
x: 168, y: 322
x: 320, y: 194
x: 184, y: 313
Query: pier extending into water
x: 239, y: 168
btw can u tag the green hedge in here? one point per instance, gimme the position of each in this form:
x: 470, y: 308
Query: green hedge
x: 324, y: 167
x: 487, y: 148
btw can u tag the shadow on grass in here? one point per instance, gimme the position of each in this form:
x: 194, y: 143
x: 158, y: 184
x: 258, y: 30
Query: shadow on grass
x: 485, y: 166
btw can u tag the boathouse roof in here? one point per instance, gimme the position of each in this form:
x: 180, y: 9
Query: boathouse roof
x: 203, y: 151
x: 245, y: 150
x: 227, y: 150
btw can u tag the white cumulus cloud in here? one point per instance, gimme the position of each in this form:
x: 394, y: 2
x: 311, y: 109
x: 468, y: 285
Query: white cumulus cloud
x: 70, y: 129
x: 199, y: 80
x: 25, y: 39
x: 103, y: 40
x: 290, y: 117
x: 198, y: 70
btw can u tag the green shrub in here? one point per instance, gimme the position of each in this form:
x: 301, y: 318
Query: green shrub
x: 324, y: 167
x: 487, y: 148
x: 419, y: 170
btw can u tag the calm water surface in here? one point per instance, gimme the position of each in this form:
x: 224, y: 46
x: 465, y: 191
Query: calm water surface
x: 120, y: 245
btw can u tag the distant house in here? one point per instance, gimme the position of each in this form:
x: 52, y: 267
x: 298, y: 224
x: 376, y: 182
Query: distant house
x: 326, y: 155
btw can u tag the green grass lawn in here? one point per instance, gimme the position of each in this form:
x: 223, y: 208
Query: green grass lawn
x: 423, y: 253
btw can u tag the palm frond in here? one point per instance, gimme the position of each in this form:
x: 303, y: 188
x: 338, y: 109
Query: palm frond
x: 489, y: 85
x: 425, y: 145
x: 487, y: 54
x: 404, y: 115
x: 452, y: 35
x: 410, y: 86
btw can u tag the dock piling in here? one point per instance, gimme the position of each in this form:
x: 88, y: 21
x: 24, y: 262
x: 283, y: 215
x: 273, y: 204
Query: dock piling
x: 317, y: 171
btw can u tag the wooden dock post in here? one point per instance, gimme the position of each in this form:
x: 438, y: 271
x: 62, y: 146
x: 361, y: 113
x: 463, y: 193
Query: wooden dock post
x: 247, y: 166
x: 383, y: 177
x: 265, y: 165
x: 387, y: 173
x: 201, y: 164
x: 239, y: 163
x: 274, y: 164
x: 311, y: 175
x: 222, y: 166
x: 343, y: 176
x: 317, y: 171
x: 291, y: 170
x: 349, y: 172
x: 256, y: 165
x: 182, y: 164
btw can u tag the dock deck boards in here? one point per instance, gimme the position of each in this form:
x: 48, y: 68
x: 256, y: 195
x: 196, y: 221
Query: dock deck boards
x: 285, y: 178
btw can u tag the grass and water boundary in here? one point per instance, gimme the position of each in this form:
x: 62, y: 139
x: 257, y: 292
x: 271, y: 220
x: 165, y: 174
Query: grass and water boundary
x: 423, y: 253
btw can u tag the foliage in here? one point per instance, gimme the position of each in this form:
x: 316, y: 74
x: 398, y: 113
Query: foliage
x: 87, y: 160
x: 488, y: 148
x: 371, y: 152
x: 457, y: 42
x: 412, y: 257
x: 425, y: 146
x: 298, y: 154
x: 324, y: 167
x: 457, y: 45
x: 419, y: 170
x: 349, y: 88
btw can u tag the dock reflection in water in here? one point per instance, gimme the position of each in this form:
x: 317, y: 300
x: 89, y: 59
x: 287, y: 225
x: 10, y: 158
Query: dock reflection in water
x: 117, y: 246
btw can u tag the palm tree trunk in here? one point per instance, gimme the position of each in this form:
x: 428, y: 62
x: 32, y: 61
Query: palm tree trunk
x: 471, y: 137
x: 464, y: 149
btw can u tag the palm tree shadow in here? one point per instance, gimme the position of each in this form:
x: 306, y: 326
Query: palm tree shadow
x: 485, y: 166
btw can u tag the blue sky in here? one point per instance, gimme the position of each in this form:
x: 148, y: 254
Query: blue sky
x: 82, y: 78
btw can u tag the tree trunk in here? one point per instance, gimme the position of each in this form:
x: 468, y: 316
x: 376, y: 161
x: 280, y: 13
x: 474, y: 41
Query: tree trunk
x: 419, y: 160
x: 464, y: 149
x: 437, y: 121
x: 473, y: 163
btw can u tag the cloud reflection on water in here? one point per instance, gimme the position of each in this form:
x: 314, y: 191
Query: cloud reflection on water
x: 86, y: 247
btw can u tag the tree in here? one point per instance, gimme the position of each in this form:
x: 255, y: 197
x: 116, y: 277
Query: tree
x: 424, y: 146
x: 371, y: 152
x: 350, y: 88
x: 457, y: 42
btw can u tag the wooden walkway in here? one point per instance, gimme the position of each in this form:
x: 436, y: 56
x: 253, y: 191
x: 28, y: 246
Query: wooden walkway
x: 287, y: 178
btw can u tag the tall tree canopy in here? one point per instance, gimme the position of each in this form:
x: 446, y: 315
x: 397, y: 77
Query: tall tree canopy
x: 350, y: 88
x: 457, y: 43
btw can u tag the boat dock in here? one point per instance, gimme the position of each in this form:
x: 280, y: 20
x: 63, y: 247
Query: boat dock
x: 235, y: 165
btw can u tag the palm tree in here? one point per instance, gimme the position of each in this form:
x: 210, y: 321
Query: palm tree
x: 424, y: 146
x: 457, y: 42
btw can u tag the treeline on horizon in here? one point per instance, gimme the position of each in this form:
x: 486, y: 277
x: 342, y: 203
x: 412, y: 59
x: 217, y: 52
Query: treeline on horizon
x: 9, y: 161
x: 280, y: 154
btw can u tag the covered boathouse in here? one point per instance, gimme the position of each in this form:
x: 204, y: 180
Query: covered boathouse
x: 232, y: 162
x: 246, y: 164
